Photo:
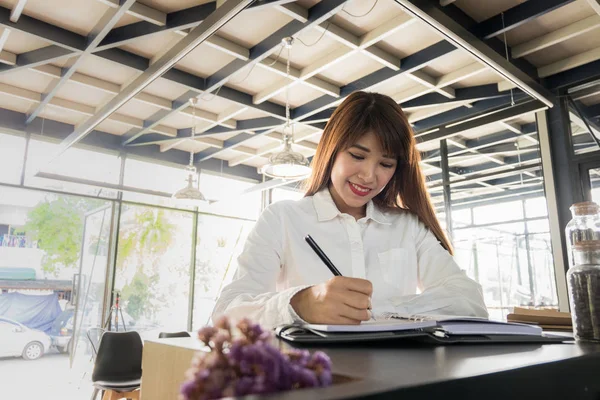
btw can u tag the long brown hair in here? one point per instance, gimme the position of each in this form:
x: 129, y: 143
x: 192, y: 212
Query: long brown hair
x: 364, y: 112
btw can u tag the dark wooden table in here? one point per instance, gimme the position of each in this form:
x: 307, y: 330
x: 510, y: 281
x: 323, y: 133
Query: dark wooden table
x: 406, y: 371
x: 410, y: 370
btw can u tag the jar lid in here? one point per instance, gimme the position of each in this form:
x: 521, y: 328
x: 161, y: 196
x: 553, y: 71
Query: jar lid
x: 587, y: 245
x: 584, y: 208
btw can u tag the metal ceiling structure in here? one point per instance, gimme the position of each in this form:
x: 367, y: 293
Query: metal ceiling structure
x: 117, y: 75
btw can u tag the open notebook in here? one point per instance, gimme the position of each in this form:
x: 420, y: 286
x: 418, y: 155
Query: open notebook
x: 451, y: 325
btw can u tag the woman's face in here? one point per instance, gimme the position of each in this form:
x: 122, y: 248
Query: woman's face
x: 359, y: 173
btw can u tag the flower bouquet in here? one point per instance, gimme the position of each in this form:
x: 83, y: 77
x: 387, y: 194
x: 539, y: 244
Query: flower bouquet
x: 249, y: 364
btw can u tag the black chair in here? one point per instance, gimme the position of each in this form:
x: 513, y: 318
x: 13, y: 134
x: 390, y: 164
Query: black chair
x: 118, y: 366
x: 164, y: 335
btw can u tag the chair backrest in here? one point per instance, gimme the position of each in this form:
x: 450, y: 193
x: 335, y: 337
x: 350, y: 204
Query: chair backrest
x: 119, y: 357
x: 163, y: 335
x: 94, y: 336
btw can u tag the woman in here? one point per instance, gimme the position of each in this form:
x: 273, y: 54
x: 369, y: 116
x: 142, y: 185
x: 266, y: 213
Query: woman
x: 367, y: 207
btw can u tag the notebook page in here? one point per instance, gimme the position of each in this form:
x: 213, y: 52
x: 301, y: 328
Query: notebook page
x: 464, y: 327
x: 377, y: 325
x: 461, y: 325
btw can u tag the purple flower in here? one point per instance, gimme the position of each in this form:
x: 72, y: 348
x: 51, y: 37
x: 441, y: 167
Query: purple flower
x: 252, y: 331
x: 223, y: 323
x: 244, y: 385
x: 250, y: 364
x: 206, y: 333
x: 300, y: 357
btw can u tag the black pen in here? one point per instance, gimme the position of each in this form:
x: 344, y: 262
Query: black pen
x: 313, y: 245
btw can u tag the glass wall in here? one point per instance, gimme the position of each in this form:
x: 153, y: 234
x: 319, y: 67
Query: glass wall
x: 74, y: 163
x: 152, y: 273
x: 220, y: 240
x: 230, y: 197
x: 506, y: 248
x: 595, y: 184
x: 53, y: 256
x: 57, y: 247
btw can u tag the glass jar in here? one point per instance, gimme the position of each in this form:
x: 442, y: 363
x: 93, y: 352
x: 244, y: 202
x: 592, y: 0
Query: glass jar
x: 584, y: 226
x: 583, y: 281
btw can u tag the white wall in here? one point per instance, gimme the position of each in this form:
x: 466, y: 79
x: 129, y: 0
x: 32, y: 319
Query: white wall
x: 13, y: 215
x: 22, y: 258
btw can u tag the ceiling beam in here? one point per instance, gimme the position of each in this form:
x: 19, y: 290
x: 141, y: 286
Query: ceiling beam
x: 146, y: 98
x: 351, y: 45
x: 296, y: 76
x: 141, y: 11
x: 574, y: 76
x: 495, y: 198
x: 558, y: 36
x: 595, y: 4
x: 79, y: 108
x: 273, y: 147
x: 498, y: 172
x: 5, y: 56
x: 13, y: 121
x: 318, y: 13
x: 479, y: 109
x: 432, y: 14
x: 210, y: 25
x: 43, y: 30
x: 15, y: 14
x: 177, y: 22
x: 98, y: 32
x: 462, y: 95
x: 517, y: 16
x: 451, y: 130
x: 431, y: 100
x: 219, y: 120
x: 35, y: 58
x: 569, y: 63
x: 323, y: 103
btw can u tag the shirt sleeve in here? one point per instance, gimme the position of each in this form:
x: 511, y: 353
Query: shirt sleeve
x: 445, y: 288
x: 253, y: 292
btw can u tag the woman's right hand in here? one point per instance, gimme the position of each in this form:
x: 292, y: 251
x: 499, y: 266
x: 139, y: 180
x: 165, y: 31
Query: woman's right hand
x: 340, y: 300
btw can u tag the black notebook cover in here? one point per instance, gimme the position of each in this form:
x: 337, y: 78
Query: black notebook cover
x: 296, y: 334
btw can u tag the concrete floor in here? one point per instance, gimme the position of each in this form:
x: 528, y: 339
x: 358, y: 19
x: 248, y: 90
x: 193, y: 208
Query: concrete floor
x: 48, y: 378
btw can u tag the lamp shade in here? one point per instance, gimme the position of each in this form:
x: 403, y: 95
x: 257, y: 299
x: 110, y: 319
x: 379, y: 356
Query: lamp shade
x: 287, y: 165
x: 189, y: 194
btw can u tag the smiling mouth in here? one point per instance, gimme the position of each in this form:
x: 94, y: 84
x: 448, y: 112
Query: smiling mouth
x: 359, y: 190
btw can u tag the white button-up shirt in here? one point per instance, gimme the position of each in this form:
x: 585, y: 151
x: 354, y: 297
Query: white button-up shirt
x: 410, y: 271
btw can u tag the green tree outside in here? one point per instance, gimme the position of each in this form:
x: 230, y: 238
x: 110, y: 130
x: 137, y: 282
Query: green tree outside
x: 142, y: 241
x: 57, y: 226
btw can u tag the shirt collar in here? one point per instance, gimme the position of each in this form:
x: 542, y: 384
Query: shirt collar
x: 327, y: 210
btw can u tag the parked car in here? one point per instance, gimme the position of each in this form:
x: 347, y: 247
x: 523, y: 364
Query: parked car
x: 21, y: 341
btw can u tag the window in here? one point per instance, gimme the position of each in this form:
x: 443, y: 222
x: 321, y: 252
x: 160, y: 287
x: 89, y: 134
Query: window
x: 461, y: 217
x: 232, y: 197
x: 220, y: 241
x: 52, y: 242
x: 12, y: 153
x: 153, y: 268
x: 536, y: 207
x: 74, y: 163
x: 162, y: 179
x: 498, y: 212
x: 514, y: 268
x: 595, y: 184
